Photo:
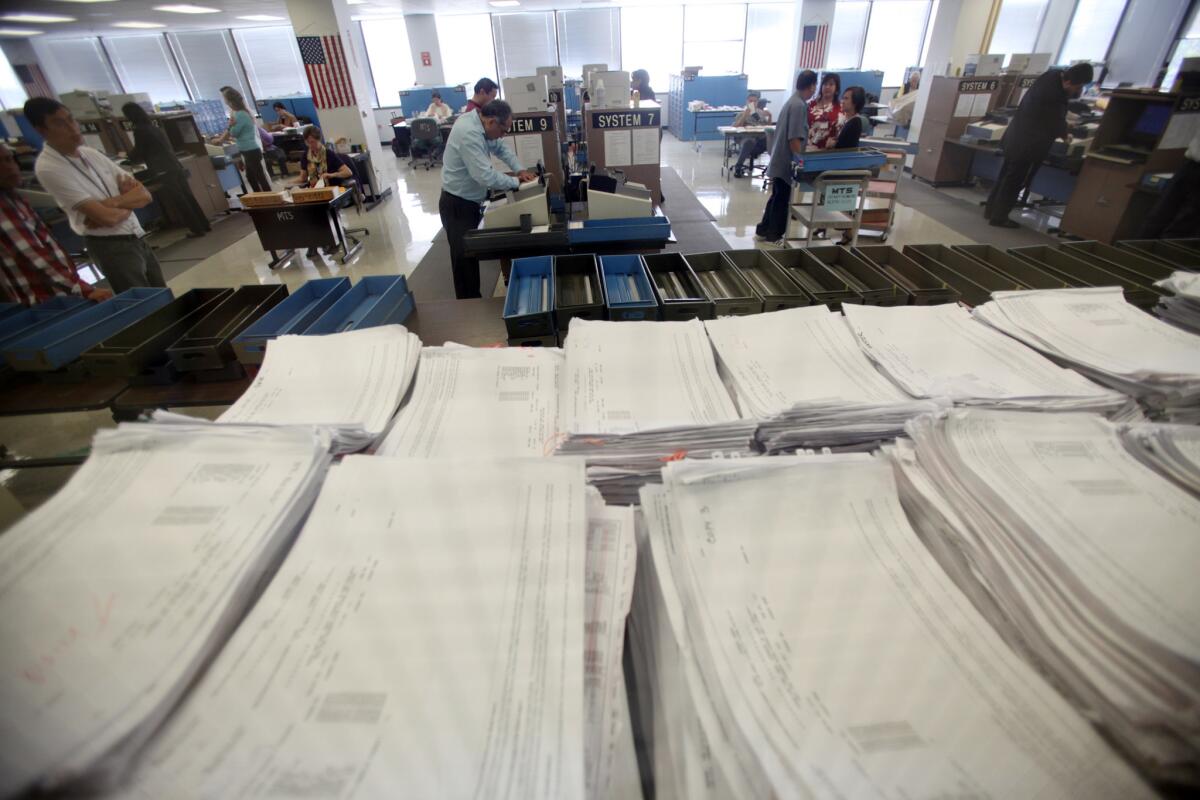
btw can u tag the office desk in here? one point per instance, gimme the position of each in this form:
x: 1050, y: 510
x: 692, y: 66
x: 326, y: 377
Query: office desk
x: 35, y: 397
x: 287, y: 227
x: 729, y: 132
x: 1054, y: 179
x: 710, y: 115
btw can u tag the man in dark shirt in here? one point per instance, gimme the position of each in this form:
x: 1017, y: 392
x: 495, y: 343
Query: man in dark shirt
x: 791, y: 136
x: 1040, y: 119
x: 485, y: 92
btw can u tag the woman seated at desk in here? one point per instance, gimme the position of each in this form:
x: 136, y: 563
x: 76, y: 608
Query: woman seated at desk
x: 286, y: 118
x: 320, y: 162
x: 437, y: 109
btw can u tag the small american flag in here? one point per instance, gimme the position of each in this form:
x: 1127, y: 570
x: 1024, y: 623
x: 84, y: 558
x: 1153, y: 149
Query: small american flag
x: 325, y: 63
x: 812, y: 47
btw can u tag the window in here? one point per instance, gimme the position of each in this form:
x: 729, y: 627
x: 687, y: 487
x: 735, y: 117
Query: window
x: 713, y: 38
x: 1018, y: 26
x: 1186, y: 47
x: 1091, y: 31
x: 390, y: 57
x: 12, y: 93
x: 208, y: 61
x: 589, y: 36
x: 356, y: 45
x: 468, y: 52
x: 144, y: 64
x: 769, y: 29
x: 652, y: 39
x: 846, y: 36
x: 524, y: 42
x: 895, y: 34
x: 272, y: 61
x: 72, y: 64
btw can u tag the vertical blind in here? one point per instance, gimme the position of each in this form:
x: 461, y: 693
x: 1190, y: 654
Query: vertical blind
x: 847, y: 34
x: 769, y: 67
x: 1092, y: 28
x: 1018, y: 26
x: 652, y: 39
x: 524, y: 42
x: 144, y: 64
x: 272, y: 61
x: 589, y: 36
x: 392, y: 68
x: 713, y: 37
x: 468, y: 52
x: 208, y: 61
x: 895, y: 34
x: 76, y: 64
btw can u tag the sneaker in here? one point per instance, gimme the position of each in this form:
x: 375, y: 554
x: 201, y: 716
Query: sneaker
x: 758, y: 237
x: 1003, y: 223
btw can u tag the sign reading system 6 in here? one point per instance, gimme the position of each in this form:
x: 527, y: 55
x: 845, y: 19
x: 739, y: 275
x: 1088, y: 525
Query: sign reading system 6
x: 841, y: 196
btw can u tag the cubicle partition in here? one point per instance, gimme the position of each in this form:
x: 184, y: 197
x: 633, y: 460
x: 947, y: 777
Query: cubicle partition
x: 716, y: 90
x: 300, y: 105
x: 413, y: 102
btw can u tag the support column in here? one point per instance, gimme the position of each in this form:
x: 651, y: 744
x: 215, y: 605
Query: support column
x: 956, y: 28
x: 354, y: 120
x: 810, y: 13
x: 422, y: 38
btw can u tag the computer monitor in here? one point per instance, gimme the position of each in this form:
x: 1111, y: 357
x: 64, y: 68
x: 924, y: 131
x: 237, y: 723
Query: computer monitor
x: 1150, y: 124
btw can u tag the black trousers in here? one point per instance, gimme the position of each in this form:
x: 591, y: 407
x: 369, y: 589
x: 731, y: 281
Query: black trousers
x: 1176, y: 215
x: 775, y: 215
x: 126, y: 261
x: 256, y: 172
x: 752, y: 148
x: 181, y: 203
x: 458, y: 217
x: 1014, y: 174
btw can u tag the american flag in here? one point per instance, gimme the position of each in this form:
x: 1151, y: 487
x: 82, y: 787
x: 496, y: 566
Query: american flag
x: 325, y: 62
x: 812, y: 47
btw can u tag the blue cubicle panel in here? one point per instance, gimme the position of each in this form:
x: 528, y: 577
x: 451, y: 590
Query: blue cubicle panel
x: 31, y: 136
x: 716, y: 90
x: 870, y: 80
x: 413, y: 102
x: 300, y: 105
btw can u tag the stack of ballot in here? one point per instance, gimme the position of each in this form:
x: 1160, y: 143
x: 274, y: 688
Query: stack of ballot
x: 1098, y: 333
x: 802, y: 375
x: 1182, y: 308
x: 638, y: 394
x: 351, y: 383
x: 1080, y: 556
x: 487, y: 402
x: 116, y: 592
x: 803, y: 642
x: 939, y: 351
x: 1172, y: 450
x: 424, y: 638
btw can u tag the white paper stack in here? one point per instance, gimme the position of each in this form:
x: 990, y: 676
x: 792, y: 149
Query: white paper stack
x: 424, y: 638
x: 939, y: 351
x: 1082, y: 557
x: 1182, y: 308
x: 639, y: 394
x: 351, y: 383
x: 801, y: 373
x: 806, y: 644
x: 486, y: 402
x: 1098, y: 333
x: 1172, y: 450
x: 116, y: 592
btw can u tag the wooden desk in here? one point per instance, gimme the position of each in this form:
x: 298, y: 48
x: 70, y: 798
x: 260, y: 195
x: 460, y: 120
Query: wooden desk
x: 288, y: 227
x: 36, y: 397
x: 134, y: 400
x: 477, y: 323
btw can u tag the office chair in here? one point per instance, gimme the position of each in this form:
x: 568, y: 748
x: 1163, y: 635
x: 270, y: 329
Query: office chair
x: 427, y: 140
x: 762, y: 168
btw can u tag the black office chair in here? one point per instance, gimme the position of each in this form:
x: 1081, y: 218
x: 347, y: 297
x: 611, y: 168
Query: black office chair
x: 426, y: 141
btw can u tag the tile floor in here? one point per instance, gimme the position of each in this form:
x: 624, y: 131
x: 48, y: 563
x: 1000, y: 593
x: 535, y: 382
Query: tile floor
x: 401, y: 231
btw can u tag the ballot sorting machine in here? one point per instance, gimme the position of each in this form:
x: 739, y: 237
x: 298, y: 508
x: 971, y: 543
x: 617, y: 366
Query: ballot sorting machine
x: 546, y: 292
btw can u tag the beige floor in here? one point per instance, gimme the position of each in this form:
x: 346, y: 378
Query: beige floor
x: 401, y: 231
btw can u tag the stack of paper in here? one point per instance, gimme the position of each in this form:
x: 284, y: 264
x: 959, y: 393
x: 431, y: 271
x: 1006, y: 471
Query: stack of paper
x: 1101, y: 335
x: 1082, y: 557
x: 424, y: 638
x: 808, y: 645
x: 487, y: 402
x: 115, y: 593
x: 639, y: 394
x: 1183, y: 307
x: 939, y: 351
x: 1172, y: 450
x: 351, y: 383
x: 802, y: 375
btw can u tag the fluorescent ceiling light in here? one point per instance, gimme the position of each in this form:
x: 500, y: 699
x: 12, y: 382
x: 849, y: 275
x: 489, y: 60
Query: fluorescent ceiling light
x: 185, y: 8
x: 261, y: 18
x: 23, y: 17
x: 138, y: 25
x: 504, y: 3
x: 356, y: 2
x: 19, y: 32
x: 85, y: 1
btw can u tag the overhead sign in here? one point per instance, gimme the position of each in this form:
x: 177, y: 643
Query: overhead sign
x: 539, y: 124
x: 633, y: 118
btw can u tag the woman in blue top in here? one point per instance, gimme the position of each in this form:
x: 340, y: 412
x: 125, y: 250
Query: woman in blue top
x: 243, y: 131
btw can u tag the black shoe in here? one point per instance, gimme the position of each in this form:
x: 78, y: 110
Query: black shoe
x: 738, y: 173
x: 1003, y: 223
x: 311, y: 252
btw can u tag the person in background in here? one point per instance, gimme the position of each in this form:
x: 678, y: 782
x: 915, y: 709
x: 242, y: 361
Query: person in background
x: 791, y: 134
x: 286, y: 119
x: 320, y: 162
x: 98, y: 197
x: 437, y: 109
x: 1176, y: 215
x: 467, y: 175
x: 271, y: 153
x: 151, y: 147
x: 911, y: 83
x: 640, y: 81
x: 825, y: 111
x: 245, y: 133
x: 851, y: 128
x: 1040, y: 119
x: 485, y: 92
x: 755, y: 113
x: 33, y: 267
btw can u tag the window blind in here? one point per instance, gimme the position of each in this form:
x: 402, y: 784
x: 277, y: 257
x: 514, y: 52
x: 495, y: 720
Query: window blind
x: 524, y: 42
x: 209, y: 61
x: 589, y: 36
x: 272, y: 61
x: 72, y: 64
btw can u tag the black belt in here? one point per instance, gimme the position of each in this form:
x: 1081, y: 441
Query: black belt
x: 461, y: 199
x: 121, y: 237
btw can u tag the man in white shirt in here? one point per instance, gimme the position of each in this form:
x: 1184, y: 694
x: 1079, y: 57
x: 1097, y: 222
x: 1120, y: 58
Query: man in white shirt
x: 98, y: 197
x: 437, y: 109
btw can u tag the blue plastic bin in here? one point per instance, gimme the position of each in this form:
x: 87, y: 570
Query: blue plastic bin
x: 627, y: 287
x: 374, y: 300
x: 24, y: 322
x: 529, y: 304
x: 633, y: 229
x: 63, y: 342
x: 293, y: 315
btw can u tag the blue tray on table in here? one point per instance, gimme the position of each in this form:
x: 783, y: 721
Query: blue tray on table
x: 294, y: 315
x: 632, y: 229
x: 627, y: 287
x: 529, y: 304
x: 374, y: 300
x: 24, y: 322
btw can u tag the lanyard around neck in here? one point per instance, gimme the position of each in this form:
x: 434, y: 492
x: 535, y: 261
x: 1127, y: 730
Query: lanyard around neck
x: 97, y: 181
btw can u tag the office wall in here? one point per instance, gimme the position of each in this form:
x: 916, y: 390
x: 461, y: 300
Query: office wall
x: 1144, y: 41
x: 423, y: 38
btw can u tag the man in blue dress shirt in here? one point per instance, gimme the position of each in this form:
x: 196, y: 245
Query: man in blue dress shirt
x: 467, y: 174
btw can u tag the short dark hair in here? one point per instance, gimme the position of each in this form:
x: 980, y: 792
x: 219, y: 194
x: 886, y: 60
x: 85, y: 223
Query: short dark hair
x: 135, y: 114
x: 485, y: 86
x: 753, y: 93
x: 858, y: 97
x: 438, y: 95
x: 38, y: 108
x: 279, y: 105
x: 312, y: 131
x: 1080, y: 74
x: 837, y: 82
x: 498, y: 109
x: 806, y: 80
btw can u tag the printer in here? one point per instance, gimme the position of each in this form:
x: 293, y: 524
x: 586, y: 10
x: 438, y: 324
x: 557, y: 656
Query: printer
x: 530, y: 198
x: 86, y: 105
x: 986, y: 131
x: 621, y: 202
x: 528, y: 93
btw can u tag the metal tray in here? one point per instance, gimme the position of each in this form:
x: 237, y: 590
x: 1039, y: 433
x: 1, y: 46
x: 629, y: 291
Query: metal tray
x: 923, y: 287
x: 874, y: 287
x: 292, y: 315
x: 209, y: 344
x: 724, y: 284
x: 768, y: 280
x: 816, y: 279
x: 678, y: 290
x: 374, y: 300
